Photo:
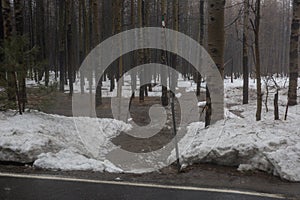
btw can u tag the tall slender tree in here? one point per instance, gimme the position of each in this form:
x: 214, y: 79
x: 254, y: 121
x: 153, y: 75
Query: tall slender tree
x: 216, y: 32
x: 245, y: 53
x: 2, y: 70
x: 96, y: 42
x: 141, y: 52
x: 164, y: 97
x: 294, y: 48
x: 7, y: 29
x: 22, y: 70
x: 1, y: 23
x: 256, y: 28
x: 216, y: 44
x: 62, y: 44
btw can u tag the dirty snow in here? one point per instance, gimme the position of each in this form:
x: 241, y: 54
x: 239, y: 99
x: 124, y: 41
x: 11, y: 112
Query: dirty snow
x: 240, y: 141
x: 51, y: 142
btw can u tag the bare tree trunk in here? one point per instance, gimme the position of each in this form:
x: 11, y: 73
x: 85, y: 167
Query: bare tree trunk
x: 2, y: 70
x: 257, y: 58
x: 1, y: 23
x: 40, y: 35
x: 96, y: 42
x: 62, y: 43
x: 22, y: 72
x: 276, y: 109
x: 7, y: 29
x: 201, y: 41
x: 216, y: 44
x: 216, y: 30
x: 82, y: 52
x: 245, y: 54
x: 174, y: 77
x: 292, y: 94
x: 70, y: 45
x: 164, y: 97
x: 133, y: 62
x: 141, y: 51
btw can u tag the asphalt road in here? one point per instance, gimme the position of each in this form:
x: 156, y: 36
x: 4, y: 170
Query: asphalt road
x: 14, y: 188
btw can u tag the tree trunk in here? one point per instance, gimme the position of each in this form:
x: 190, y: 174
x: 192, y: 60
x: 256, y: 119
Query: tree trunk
x: 257, y: 58
x: 293, y: 67
x: 1, y: 24
x: 22, y: 72
x: 70, y: 45
x: 276, y: 109
x: 96, y: 42
x: 174, y: 77
x: 245, y: 54
x: 216, y: 44
x: 201, y: 41
x: 2, y: 70
x: 82, y: 52
x: 216, y: 30
x: 62, y: 44
x: 133, y: 62
x: 141, y: 51
x: 164, y: 97
x: 7, y: 29
x: 40, y: 20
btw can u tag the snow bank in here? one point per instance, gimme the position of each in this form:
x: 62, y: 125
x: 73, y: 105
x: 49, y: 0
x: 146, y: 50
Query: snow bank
x: 70, y: 160
x: 269, y: 145
x: 52, y: 141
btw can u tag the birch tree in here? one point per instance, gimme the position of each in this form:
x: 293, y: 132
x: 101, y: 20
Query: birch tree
x: 216, y: 44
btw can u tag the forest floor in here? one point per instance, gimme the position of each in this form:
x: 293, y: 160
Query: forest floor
x: 58, y: 103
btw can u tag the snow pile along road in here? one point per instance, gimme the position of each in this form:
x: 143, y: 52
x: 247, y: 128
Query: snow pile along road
x: 52, y: 142
x: 273, y: 148
x: 240, y: 141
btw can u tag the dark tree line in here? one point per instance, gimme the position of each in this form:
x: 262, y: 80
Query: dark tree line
x: 246, y: 37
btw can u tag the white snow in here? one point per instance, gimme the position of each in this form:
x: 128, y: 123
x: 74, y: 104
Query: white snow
x: 201, y: 103
x: 268, y: 145
x: 52, y: 142
x: 69, y: 160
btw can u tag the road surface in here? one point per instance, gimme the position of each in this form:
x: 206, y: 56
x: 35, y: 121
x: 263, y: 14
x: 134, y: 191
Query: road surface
x: 14, y: 187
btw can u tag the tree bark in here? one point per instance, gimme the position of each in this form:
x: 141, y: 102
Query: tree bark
x: 141, y: 51
x: 293, y: 67
x: 96, y: 42
x: 276, y: 109
x: 216, y: 44
x: 164, y: 97
x: 245, y: 54
x: 7, y: 29
x: 62, y: 43
x: 257, y: 58
x: 216, y: 30
x: 22, y: 72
